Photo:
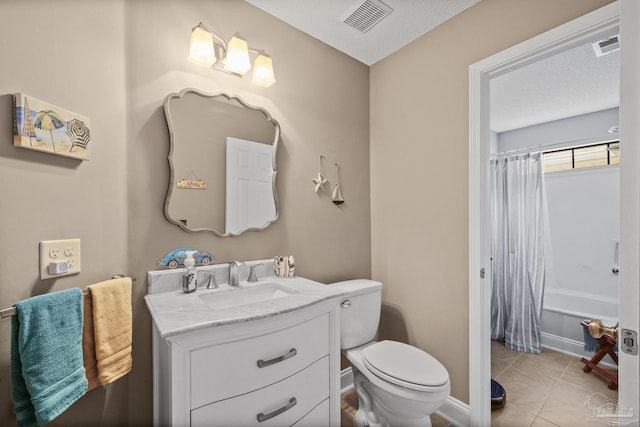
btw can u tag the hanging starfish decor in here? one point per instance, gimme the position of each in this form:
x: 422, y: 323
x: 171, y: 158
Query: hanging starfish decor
x: 320, y: 180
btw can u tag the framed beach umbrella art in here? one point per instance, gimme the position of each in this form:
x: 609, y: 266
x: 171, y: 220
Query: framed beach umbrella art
x: 78, y: 133
x: 47, y: 120
x: 44, y: 127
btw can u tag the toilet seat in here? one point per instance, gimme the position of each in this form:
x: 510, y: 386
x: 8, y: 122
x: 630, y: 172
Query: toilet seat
x: 404, y: 365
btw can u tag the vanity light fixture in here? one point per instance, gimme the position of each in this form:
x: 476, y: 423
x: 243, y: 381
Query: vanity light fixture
x: 237, y: 59
x: 201, y: 49
x: 210, y: 50
x: 263, y: 71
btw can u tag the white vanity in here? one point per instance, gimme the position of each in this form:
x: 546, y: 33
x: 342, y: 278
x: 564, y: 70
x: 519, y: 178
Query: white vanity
x: 264, y: 353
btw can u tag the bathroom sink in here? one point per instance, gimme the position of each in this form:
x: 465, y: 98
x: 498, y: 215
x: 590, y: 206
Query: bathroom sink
x: 246, y: 295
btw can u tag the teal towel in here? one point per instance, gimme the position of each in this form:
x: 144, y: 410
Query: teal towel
x: 47, y: 373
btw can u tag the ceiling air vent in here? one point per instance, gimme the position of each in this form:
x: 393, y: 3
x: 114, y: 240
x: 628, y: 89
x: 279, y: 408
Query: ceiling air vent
x: 364, y: 15
x: 608, y: 45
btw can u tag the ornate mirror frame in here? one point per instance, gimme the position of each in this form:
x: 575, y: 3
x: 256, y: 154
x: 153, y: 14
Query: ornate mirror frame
x: 234, y: 101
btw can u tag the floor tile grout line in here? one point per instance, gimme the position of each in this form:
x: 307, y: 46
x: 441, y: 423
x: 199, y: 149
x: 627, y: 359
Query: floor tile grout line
x: 559, y: 380
x: 547, y: 397
x: 585, y: 387
x: 546, y: 420
x: 510, y: 363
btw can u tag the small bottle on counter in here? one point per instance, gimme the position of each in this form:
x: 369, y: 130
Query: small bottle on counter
x: 189, y: 280
x: 291, y: 263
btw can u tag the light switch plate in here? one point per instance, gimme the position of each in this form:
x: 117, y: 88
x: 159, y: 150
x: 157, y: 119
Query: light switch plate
x: 55, y: 251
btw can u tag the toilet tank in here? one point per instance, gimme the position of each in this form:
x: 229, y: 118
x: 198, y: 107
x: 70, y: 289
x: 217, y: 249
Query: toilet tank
x: 359, y: 311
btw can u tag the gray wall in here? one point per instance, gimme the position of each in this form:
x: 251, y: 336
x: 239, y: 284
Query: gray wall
x: 115, y: 61
x: 70, y: 55
x: 419, y: 170
x: 592, y: 127
x: 329, y: 243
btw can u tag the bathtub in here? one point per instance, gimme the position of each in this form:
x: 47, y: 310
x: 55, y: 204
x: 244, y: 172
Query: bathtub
x: 562, y: 313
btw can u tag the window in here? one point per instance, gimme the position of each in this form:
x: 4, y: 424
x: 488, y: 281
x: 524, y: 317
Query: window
x: 604, y: 154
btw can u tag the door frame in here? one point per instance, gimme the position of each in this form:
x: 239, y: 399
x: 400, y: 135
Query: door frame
x: 588, y: 28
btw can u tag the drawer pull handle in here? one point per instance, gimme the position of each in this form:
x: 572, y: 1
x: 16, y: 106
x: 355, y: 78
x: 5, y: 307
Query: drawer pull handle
x: 264, y: 363
x: 262, y: 417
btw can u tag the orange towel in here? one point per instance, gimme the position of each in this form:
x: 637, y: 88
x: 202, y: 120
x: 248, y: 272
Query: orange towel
x: 112, y: 328
x: 88, y: 343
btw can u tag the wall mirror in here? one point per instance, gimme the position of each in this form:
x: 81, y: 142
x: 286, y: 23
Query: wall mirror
x: 222, y: 158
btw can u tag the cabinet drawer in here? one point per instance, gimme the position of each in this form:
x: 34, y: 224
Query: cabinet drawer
x: 280, y: 404
x: 231, y: 369
x: 318, y: 417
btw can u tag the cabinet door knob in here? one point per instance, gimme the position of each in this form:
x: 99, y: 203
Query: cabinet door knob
x: 263, y: 363
x: 264, y: 417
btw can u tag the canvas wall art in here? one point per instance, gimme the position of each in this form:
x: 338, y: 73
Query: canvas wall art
x: 44, y: 127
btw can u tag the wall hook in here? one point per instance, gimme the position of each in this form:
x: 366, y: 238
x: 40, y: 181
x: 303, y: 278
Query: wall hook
x: 336, y: 196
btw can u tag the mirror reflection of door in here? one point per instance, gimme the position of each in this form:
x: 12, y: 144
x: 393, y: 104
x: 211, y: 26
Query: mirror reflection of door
x: 199, y: 125
x: 249, y: 177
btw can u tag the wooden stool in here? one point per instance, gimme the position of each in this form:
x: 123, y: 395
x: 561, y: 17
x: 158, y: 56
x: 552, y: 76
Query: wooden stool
x: 606, y: 343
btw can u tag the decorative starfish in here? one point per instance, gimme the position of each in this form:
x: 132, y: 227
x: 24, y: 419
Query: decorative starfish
x: 319, y: 181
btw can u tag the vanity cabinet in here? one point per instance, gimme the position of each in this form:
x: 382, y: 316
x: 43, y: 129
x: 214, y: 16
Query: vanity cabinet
x: 281, y: 370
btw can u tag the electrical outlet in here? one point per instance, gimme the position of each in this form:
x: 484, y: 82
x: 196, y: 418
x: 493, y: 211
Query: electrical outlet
x: 57, y: 251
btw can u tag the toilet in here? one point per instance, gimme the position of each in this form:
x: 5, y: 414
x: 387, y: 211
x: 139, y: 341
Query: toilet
x: 397, y: 384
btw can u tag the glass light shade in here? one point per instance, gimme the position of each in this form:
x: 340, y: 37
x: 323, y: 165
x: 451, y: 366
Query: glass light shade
x: 263, y: 71
x: 237, y: 59
x: 201, y: 49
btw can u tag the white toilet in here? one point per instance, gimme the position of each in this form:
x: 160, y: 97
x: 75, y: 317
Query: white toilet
x: 398, y: 385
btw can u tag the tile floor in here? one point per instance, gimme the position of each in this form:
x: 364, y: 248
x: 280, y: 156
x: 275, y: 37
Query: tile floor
x: 547, y: 389
x: 349, y: 406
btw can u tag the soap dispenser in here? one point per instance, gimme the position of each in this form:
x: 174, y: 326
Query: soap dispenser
x: 189, y: 280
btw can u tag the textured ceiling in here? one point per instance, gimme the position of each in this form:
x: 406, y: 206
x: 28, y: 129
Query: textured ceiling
x: 569, y: 84
x: 323, y: 19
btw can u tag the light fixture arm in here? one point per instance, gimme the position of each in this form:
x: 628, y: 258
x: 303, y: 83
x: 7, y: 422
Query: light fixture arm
x: 213, y: 33
x: 223, y: 43
x: 220, y: 39
x: 257, y: 51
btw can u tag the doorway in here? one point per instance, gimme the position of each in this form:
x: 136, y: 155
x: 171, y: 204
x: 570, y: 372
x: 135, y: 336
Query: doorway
x: 589, y: 28
x: 553, y: 122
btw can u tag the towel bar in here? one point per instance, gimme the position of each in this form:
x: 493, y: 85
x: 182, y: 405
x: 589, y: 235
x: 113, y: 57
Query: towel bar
x: 12, y: 311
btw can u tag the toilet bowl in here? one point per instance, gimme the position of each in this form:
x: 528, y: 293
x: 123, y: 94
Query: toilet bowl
x: 397, y: 384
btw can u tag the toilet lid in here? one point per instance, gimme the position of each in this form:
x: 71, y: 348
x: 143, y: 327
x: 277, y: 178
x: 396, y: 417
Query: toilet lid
x: 404, y: 365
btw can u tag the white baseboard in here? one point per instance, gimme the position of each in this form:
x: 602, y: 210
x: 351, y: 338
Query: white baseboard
x: 453, y: 410
x: 571, y: 347
x: 346, y: 380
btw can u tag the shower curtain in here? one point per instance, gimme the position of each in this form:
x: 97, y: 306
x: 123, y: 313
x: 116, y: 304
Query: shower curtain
x: 518, y: 237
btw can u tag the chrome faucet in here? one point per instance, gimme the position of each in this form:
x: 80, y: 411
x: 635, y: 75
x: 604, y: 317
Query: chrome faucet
x: 234, y: 266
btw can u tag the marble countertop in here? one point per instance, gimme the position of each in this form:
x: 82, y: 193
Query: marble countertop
x: 175, y: 312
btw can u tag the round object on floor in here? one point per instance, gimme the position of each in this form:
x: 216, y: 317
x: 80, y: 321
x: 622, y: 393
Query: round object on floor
x: 498, y: 395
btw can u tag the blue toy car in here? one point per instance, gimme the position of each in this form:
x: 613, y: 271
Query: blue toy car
x: 176, y: 257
